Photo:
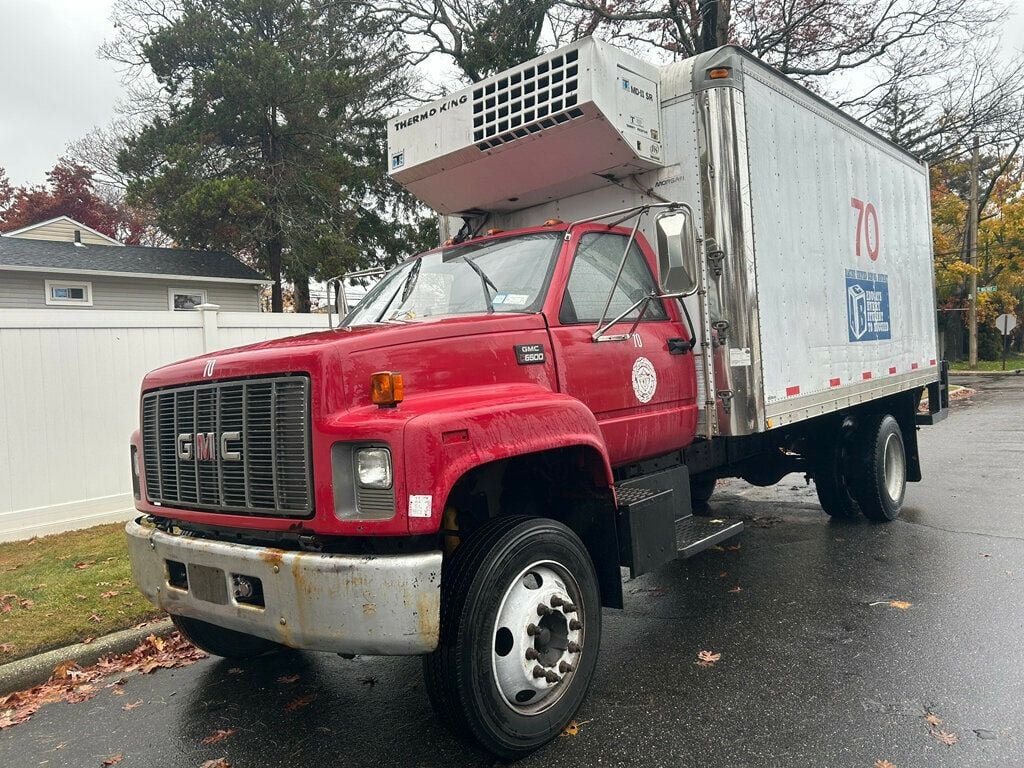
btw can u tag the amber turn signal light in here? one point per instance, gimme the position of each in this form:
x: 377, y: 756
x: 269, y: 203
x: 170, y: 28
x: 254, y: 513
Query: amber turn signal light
x: 386, y: 388
x: 719, y: 73
x: 553, y: 222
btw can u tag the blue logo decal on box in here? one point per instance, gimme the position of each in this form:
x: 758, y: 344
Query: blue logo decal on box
x: 867, y: 306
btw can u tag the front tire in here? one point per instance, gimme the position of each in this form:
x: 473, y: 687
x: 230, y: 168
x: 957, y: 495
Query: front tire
x: 221, y: 641
x: 520, y: 632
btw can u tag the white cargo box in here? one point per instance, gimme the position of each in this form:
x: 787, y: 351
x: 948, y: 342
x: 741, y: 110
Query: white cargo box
x: 544, y: 130
x: 816, y: 261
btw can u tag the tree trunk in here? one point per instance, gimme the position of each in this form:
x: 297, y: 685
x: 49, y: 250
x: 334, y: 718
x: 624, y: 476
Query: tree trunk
x: 302, y: 303
x: 274, y: 248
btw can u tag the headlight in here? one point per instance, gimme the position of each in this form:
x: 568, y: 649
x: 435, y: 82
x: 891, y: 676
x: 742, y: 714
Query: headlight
x: 373, y: 467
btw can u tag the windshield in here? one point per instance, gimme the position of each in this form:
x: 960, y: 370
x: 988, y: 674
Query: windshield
x: 505, y: 275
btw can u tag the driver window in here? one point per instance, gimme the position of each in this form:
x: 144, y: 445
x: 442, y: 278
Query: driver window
x: 593, y: 273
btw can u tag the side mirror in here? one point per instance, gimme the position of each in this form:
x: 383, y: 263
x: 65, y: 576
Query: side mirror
x: 677, y: 253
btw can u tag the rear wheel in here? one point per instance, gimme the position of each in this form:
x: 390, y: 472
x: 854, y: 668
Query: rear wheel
x: 883, y: 468
x: 520, y: 631
x: 832, y: 474
x: 702, y: 487
x: 221, y: 641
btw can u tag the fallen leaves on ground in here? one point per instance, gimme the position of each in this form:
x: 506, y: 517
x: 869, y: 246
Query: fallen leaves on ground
x: 737, y: 588
x: 573, y: 728
x: 110, y: 594
x: 220, y: 762
x: 132, y: 705
x: 707, y: 658
x: 113, y: 759
x: 219, y: 735
x: 6, y: 647
x: 901, y: 604
x: 949, y: 739
x: 75, y: 684
x: 933, y: 720
x: 81, y: 566
x: 733, y: 548
x: 883, y: 764
x: 8, y: 601
x: 300, y: 703
x: 286, y: 679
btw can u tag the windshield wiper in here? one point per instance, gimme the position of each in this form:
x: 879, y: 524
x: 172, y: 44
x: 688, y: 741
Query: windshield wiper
x: 406, y: 289
x: 484, y: 282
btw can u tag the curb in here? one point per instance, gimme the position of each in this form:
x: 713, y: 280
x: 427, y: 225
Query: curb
x: 1014, y: 372
x: 36, y: 670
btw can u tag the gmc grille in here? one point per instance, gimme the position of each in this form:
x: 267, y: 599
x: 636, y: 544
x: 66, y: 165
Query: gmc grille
x: 261, y: 426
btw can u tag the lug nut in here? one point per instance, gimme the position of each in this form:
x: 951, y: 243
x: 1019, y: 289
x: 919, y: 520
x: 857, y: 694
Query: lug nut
x: 556, y: 601
x: 575, y: 624
x: 539, y: 671
x: 532, y: 654
x: 552, y: 677
x: 568, y: 607
x: 564, y: 667
x: 532, y: 629
x: 542, y: 610
x: 574, y: 647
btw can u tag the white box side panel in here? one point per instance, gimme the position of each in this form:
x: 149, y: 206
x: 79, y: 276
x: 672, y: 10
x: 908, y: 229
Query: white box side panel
x: 843, y: 248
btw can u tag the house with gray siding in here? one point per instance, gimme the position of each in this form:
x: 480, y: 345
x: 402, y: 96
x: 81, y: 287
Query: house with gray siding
x: 63, y: 263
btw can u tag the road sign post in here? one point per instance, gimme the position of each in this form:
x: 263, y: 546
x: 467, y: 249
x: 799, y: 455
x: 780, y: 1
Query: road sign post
x: 1005, y: 323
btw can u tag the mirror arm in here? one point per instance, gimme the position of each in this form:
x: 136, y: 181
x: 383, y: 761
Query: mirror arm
x: 622, y: 266
x: 598, y: 335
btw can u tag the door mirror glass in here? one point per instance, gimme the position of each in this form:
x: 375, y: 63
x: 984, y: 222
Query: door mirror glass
x: 677, y: 253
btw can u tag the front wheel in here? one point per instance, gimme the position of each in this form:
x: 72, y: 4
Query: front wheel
x: 520, y: 631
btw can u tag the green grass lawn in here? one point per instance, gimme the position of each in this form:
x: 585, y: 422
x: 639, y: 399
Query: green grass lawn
x: 65, y: 588
x: 1013, y: 361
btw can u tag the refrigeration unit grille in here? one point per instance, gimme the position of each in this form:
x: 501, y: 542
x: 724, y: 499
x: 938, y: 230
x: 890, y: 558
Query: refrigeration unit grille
x: 526, y: 101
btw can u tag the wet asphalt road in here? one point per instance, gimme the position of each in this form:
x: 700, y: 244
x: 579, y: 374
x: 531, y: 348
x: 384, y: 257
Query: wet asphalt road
x: 812, y: 673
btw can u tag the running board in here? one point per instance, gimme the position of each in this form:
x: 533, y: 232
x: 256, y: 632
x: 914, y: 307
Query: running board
x: 695, y: 534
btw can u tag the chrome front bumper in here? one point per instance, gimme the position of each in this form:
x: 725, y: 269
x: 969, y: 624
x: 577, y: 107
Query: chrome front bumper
x: 385, y: 605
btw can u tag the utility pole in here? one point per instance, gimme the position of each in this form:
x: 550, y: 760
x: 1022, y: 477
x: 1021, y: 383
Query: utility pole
x: 972, y: 232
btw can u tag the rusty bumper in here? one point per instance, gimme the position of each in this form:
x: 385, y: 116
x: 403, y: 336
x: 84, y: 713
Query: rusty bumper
x: 386, y: 605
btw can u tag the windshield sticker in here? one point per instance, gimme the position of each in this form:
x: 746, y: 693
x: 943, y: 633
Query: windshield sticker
x: 645, y: 380
x: 515, y: 299
x: 867, y: 306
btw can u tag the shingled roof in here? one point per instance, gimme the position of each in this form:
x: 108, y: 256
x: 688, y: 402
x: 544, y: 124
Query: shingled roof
x: 18, y: 253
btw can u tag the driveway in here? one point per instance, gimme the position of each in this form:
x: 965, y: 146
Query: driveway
x: 838, y: 642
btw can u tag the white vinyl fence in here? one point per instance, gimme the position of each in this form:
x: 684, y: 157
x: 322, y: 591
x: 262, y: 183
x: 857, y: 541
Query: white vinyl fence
x: 69, y: 401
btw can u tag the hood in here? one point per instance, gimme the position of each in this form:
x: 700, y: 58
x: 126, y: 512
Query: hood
x: 325, y: 351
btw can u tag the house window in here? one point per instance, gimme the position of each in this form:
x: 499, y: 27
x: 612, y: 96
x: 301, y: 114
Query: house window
x: 186, y: 298
x: 63, y: 292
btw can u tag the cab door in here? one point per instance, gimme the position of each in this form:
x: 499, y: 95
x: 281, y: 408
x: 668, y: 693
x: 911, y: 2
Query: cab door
x: 641, y: 389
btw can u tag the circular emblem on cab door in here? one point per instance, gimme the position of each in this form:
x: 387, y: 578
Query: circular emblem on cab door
x: 645, y: 380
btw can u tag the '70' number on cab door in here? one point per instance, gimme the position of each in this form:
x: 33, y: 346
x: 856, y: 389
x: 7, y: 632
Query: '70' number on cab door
x: 867, y: 228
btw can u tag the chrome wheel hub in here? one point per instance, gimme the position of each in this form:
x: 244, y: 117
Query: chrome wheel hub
x: 895, y: 468
x: 537, y: 637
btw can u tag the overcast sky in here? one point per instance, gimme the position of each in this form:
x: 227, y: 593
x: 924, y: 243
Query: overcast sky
x: 54, y: 88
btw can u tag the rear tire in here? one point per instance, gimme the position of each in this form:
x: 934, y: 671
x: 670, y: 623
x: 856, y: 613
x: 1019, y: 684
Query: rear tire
x: 221, y: 641
x: 702, y: 487
x: 882, y: 475
x: 832, y: 478
x: 512, y: 575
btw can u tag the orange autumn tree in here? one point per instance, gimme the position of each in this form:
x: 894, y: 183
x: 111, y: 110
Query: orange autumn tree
x: 1000, y: 249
